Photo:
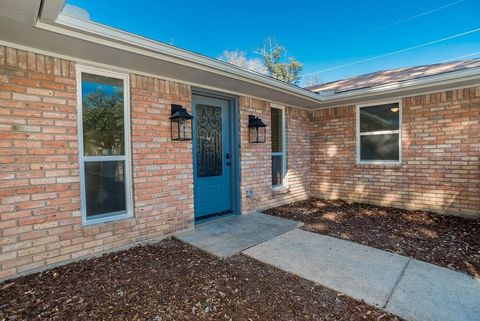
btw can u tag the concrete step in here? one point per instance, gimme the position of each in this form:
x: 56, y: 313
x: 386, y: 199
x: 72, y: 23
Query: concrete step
x: 230, y: 235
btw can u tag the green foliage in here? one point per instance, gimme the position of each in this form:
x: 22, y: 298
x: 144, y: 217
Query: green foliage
x: 103, y: 130
x: 278, y: 64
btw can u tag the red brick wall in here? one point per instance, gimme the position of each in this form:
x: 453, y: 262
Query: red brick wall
x: 162, y: 168
x: 299, y: 149
x: 40, y: 220
x: 39, y: 195
x: 256, y: 162
x: 440, y: 169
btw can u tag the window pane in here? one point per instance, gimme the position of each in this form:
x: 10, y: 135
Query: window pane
x: 105, y: 187
x: 277, y: 177
x: 276, y: 124
x: 382, y: 117
x: 379, y: 147
x: 102, y: 104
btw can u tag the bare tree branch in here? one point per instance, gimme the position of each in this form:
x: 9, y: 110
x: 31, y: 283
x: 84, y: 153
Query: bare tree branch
x: 279, y: 65
x: 239, y: 59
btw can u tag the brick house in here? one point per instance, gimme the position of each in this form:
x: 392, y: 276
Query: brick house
x: 88, y: 163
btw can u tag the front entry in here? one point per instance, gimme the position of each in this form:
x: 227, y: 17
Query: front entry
x: 212, y: 156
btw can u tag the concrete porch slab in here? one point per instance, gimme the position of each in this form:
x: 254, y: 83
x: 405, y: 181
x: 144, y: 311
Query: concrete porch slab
x: 356, y: 270
x: 428, y: 292
x: 230, y: 235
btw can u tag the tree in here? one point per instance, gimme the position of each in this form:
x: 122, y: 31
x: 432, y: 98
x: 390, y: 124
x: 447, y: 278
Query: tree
x: 239, y: 59
x: 279, y: 65
x: 311, y: 80
x: 103, y: 123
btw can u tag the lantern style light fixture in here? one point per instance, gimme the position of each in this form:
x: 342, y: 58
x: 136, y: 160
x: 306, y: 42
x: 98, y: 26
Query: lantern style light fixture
x: 181, y: 123
x: 256, y: 129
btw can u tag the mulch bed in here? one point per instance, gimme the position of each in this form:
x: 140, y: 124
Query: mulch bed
x: 448, y: 241
x: 173, y: 281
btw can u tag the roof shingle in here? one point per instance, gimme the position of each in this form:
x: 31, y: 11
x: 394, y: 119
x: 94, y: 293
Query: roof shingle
x: 384, y: 77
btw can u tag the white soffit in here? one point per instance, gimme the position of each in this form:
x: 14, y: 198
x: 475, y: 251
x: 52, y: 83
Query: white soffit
x: 65, y: 35
x: 441, y: 82
x: 25, y: 11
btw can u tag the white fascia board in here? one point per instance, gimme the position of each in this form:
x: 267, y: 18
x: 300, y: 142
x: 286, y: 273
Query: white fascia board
x: 51, y: 9
x: 98, y: 33
x: 395, y: 88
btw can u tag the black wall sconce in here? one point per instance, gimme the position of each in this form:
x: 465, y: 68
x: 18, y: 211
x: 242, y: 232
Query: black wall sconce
x: 256, y: 129
x: 181, y: 123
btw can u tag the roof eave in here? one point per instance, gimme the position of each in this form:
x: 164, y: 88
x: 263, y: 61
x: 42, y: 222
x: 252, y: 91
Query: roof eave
x: 51, y: 19
x: 50, y: 9
x: 95, y: 32
x: 431, y: 83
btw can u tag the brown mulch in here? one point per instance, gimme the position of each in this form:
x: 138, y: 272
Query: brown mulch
x: 173, y: 281
x: 448, y: 241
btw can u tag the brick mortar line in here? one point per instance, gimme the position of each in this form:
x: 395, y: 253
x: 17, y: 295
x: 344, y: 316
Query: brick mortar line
x: 397, y: 282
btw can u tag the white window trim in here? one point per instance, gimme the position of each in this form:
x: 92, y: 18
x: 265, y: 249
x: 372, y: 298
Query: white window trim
x: 399, y: 132
x: 114, y: 216
x: 283, y: 153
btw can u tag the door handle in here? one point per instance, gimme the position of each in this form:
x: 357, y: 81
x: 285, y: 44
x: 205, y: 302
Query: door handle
x: 227, y: 156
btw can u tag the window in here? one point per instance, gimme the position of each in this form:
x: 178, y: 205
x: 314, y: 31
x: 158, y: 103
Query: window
x: 278, y: 146
x: 104, y: 144
x: 378, y: 133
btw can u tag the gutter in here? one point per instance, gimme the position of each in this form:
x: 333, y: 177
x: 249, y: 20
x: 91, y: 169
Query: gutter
x: 52, y: 19
x: 50, y: 9
x: 97, y: 33
x: 395, y: 88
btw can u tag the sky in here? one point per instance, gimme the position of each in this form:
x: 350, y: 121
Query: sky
x: 332, y: 39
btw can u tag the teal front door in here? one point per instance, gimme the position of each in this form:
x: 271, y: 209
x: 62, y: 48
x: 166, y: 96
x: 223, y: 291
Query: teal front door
x: 212, y: 156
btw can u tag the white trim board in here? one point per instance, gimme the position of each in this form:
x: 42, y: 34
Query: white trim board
x: 72, y: 35
x: 90, y: 31
x: 97, y: 33
x: 400, y: 97
x: 126, y: 158
x: 283, y: 153
x: 92, y: 64
x: 435, y: 80
x: 358, y: 160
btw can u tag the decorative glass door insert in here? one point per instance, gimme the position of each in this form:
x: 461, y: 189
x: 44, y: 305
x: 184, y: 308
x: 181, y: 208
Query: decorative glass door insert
x: 208, y: 140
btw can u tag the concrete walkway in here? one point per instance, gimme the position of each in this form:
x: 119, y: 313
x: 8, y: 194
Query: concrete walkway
x: 411, y: 289
x: 359, y: 271
x: 230, y: 235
